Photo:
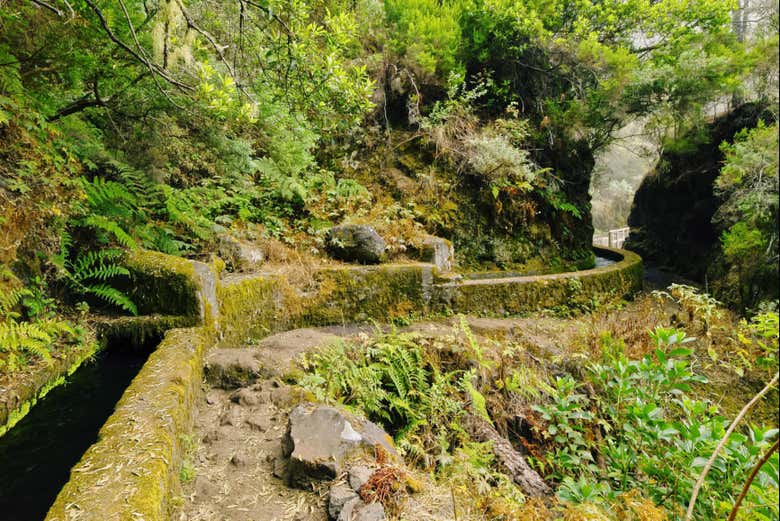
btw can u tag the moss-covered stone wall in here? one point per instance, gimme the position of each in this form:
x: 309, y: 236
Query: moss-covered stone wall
x: 251, y: 307
x: 131, y: 472
x: 168, y: 285
x: 21, y: 394
x: 515, y: 295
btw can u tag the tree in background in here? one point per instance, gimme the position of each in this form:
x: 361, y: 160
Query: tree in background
x: 748, y: 185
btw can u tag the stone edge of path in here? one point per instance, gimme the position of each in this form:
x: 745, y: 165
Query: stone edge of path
x: 131, y: 472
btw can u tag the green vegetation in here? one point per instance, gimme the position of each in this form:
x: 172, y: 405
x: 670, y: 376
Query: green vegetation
x: 34, y: 331
x: 138, y: 135
x: 615, y: 433
x: 748, y: 186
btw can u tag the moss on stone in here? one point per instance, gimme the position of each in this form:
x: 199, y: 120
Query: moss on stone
x: 139, y: 332
x: 382, y: 293
x: 17, y: 401
x: 516, y: 295
x: 132, y: 470
x: 161, y: 283
x: 252, y: 307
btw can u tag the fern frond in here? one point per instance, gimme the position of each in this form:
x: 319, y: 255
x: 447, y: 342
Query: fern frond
x: 147, y: 193
x: 10, y: 300
x: 26, y: 337
x: 108, y: 197
x: 106, y: 271
x: 86, y: 262
x: 60, y: 260
x: 112, y: 296
x: 107, y: 225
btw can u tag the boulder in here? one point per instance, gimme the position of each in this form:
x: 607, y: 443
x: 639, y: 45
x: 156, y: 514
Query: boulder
x: 355, y: 243
x: 438, y: 252
x: 321, y: 441
x: 232, y: 368
x: 357, y: 510
x: 238, y: 255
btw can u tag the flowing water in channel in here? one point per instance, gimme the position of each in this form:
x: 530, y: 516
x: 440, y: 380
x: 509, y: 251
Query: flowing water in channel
x: 37, y: 454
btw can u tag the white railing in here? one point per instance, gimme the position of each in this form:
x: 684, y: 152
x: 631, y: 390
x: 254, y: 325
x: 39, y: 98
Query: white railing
x: 613, y: 239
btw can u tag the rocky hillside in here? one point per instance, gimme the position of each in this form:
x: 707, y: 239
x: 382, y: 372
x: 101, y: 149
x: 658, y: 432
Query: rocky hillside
x: 676, y: 218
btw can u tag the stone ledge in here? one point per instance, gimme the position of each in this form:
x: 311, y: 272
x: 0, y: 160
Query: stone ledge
x: 22, y: 393
x: 131, y: 472
x: 513, y: 295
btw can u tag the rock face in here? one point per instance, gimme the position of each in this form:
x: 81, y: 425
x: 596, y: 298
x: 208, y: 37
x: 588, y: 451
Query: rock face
x: 357, y: 510
x: 671, y: 217
x: 232, y: 368
x: 355, y: 243
x: 438, y: 252
x: 321, y: 441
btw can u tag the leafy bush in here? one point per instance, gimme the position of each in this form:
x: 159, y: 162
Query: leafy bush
x: 651, y: 436
x: 748, y: 183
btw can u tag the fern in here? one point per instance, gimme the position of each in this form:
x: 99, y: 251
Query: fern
x: 25, y: 337
x: 105, y: 224
x: 148, y: 194
x: 109, y: 198
x: 90, y: 273
x: 112, y: 296
x: 477, y: 399
x: 11, y: 300
x: 391, y: 378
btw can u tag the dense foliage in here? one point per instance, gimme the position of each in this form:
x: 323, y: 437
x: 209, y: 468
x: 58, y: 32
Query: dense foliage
x: 748, y: 216
x: 610, y: 432
x: 210, y: 116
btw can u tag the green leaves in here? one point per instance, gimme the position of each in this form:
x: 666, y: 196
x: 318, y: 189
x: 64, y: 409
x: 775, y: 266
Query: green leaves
x: 90, y: 273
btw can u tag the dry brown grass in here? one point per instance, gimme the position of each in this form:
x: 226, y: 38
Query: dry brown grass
x: 630, y: 324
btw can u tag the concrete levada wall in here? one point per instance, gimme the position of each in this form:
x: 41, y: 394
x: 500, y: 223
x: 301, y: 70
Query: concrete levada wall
x: 131, y: 472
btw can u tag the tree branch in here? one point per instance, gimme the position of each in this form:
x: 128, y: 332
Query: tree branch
x: 750, y: 479
x: 155, y: 69
x: 708, y: 466
x: 46, y: 5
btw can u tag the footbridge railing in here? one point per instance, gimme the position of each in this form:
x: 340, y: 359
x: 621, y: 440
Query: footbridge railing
x: 613, y: 239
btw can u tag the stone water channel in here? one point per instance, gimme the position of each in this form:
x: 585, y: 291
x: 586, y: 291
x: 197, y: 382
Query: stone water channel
x: 37, y: 454
x: 132, y: 470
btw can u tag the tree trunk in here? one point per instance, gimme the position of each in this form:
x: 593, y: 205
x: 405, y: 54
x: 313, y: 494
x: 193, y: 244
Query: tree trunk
x: 513, y: 463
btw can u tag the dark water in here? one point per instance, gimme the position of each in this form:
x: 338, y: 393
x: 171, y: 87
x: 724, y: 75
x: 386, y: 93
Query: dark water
x: 37, y: 454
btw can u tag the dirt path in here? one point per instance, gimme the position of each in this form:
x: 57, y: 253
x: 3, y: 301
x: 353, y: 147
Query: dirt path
x: 237, y: 434
x: 237, y: 438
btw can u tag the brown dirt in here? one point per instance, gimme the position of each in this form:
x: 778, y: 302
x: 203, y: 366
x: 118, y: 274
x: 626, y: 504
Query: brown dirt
x: 233, y: 458
x: 234, y: 445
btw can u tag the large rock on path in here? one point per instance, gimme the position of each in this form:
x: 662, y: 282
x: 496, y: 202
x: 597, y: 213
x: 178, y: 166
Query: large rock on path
x: 355, y: 243
x: 321, y: 441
